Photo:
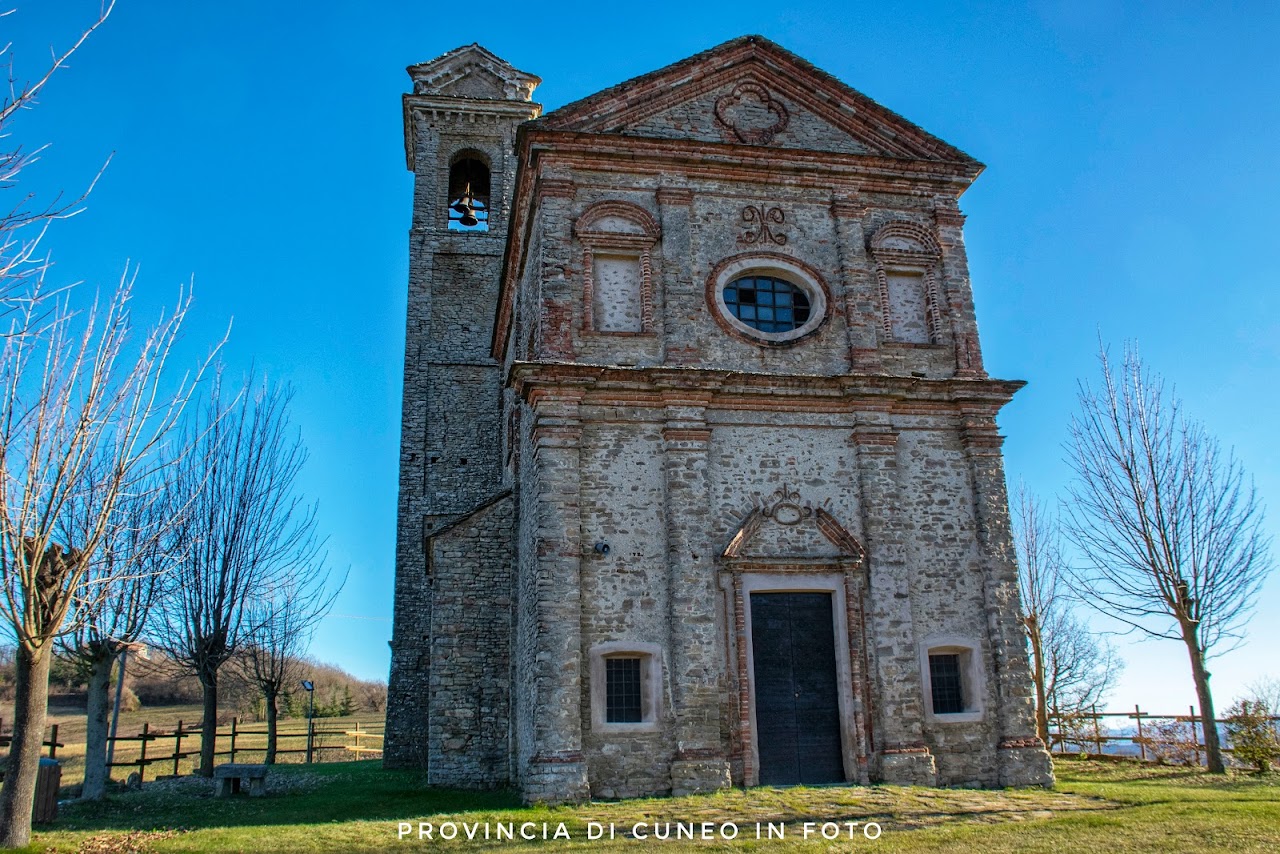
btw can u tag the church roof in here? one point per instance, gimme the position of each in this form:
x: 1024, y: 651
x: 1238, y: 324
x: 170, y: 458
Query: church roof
x: 754, y: 60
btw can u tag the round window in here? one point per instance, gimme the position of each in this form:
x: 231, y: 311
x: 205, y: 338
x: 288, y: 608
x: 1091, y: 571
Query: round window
x: 767, y: 303
x: 767, y: 299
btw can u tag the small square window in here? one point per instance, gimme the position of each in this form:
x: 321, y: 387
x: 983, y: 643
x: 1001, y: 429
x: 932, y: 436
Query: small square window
x: 951, y: 667
x: 626, y: 687
x: 622, y: 692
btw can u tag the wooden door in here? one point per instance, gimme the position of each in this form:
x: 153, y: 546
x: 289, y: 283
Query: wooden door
x: 796, y: 692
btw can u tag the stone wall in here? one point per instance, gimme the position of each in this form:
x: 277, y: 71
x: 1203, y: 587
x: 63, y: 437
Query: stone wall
x: 470, y: 685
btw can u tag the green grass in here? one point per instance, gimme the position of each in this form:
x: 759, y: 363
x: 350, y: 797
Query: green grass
x: 356, y: 807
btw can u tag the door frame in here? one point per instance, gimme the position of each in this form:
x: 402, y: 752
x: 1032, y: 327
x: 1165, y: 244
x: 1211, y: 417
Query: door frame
x: 850, y: 684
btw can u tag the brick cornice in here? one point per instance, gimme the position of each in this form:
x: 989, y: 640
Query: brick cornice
x: 663, y: 387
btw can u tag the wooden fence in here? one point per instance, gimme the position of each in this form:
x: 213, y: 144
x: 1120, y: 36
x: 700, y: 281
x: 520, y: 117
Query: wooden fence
x: 51, y: 742
x: 169, y: 748
x: 1082, y: 730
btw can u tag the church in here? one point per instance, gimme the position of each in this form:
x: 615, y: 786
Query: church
x: 700, y: 479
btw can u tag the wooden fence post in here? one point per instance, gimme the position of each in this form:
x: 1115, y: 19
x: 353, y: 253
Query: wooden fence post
x: 1195, y: 739
x: 1142, y: 744
x: 234, y: 721
x: 142, y: 760
x: 177, y: 748
x: 1097, y: 734
x: 53, y: 743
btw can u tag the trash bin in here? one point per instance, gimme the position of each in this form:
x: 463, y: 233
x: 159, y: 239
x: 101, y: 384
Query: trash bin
x: 48, y: 779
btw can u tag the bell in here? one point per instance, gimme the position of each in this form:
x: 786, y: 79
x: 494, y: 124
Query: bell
x: 464, y: 208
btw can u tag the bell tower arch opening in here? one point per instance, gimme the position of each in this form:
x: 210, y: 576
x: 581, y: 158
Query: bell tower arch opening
x: 469, y: 191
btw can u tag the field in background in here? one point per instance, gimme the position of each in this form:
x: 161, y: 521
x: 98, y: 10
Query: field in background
x: 331, y: 740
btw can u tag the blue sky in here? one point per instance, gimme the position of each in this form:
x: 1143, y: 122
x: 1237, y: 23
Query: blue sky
x: 1131, y: 192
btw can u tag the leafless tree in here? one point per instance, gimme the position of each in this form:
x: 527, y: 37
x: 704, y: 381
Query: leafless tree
x: 245, y: 535
x: 284, y: 618
x: 1070, y: 666
x: 84, y: 410
x: 24, y: 221
x: 1169, y: 525
x: 111, y: 608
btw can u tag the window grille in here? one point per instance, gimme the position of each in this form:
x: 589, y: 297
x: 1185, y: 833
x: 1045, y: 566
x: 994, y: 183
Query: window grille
x: 767, y: 303
x: 622, y: 695
x: 944, y: 676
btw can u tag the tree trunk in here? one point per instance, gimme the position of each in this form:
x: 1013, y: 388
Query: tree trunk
x: 272, y: 714
x: 209, y: 722
x: 1042, y: 708
x: 30, y: 702
x: 1212, y: 746
x: 96, y: 772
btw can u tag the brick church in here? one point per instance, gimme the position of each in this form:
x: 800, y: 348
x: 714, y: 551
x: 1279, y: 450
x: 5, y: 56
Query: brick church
x: 700, y: 480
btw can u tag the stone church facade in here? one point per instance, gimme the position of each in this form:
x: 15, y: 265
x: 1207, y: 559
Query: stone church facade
x: 700, y: 478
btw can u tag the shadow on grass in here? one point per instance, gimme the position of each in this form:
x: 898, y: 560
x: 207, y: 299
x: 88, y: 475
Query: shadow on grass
x: 297, y: 794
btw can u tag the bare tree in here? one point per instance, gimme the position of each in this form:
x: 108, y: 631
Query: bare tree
x: 23, y: 224
x: 245, y: 534
x: 1170, y: 527
x: 284, y: 618
x: 1039, y: 564
x: 84, y: 413
x: 113, y: 604
x: 1070, y: 666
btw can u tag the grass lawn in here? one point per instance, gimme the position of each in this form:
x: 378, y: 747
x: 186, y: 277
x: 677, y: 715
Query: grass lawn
x: 1096, y: 808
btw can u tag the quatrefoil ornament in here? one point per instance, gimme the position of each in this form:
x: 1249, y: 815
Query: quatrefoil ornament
x: 752, y: 114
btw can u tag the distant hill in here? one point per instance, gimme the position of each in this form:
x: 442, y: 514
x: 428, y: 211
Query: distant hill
x: 160, y: 681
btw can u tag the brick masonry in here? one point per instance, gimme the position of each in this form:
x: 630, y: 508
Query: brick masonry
x: 856, y: 456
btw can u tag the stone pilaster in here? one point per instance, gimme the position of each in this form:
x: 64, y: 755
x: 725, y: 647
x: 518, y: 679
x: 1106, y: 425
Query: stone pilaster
x: 898, y: 738
x: 957, y: 292
x: 1021, y: 757
x: 557, y: 318
x: 695, y: 655
x: 557, y: 771
x: 677, y: 287
x: 857, y: 281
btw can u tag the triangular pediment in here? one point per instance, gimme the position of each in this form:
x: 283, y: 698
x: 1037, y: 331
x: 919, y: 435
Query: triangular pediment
x: 751, y: 91
x: 471, y: 71
x: 784, y: 527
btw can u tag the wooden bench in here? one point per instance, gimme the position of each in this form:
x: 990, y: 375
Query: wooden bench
x: 228, y: 778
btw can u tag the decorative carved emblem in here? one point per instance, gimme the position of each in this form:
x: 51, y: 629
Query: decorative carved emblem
x: 784, y: 507
x: 752, y: 114
x: 757, y: 218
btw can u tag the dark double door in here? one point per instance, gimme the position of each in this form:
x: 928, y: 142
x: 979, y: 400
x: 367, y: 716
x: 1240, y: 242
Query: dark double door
x: 796, y: 693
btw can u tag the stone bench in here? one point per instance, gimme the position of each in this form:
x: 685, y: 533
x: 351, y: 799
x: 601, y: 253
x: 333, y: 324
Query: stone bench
x: 228, y: 778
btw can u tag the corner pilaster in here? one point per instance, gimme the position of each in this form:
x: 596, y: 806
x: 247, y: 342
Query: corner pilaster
x: 957, y: 289
x: 1021, y: 757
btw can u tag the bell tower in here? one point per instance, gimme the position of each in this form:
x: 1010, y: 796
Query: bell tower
x: 459, y: 130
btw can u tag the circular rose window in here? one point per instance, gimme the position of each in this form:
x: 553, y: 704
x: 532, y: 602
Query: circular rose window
x: 769, y: 300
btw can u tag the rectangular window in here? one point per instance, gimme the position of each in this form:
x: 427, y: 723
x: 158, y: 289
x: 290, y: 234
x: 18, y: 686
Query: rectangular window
x: 622, y: 692
x: 944, y: 677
